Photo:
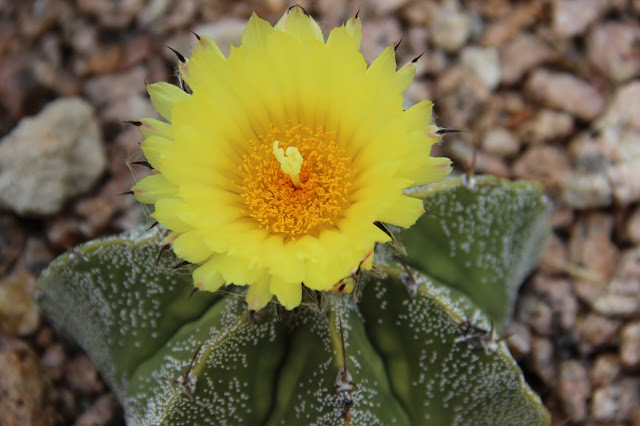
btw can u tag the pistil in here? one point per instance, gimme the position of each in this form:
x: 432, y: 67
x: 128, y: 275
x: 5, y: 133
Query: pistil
x: 290, y: 162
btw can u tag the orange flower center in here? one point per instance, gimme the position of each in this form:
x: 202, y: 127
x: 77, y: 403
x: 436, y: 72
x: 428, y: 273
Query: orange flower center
x: 276, y: 200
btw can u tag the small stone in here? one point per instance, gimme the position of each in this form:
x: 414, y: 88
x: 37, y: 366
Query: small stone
x: 542, y: 360
x: 559, y: 295
x: 606, y: 368
x: 181, y: 14
x: 416, y: 13
x: 101, y: 412
x: 630, y: 345
x: 12, y: 240
x: 511, y: 103
x: 545, y: 164
x: 53, y: 360
x: 522, y: 54
x: 96, y: 213
x: 536, y: 313
x: 625, y: 143
x: 625, y: 181
x: 108, y: 89
x: 589, y: 287
x: 612, y: 48
x: 555, y: 256
x: 36, y: 256
x: 65, y: 232
x: 386, y: 7
x: 618, y: 129
x: 574, y: 389
x: 378, y: 34
x: 617, y: 305
x: 635, y: 415
x: 624, y: 109
x: 566, y: 92
x: 572, y: 17
x: 501, y: 142
x: 104, y: 59
x: 584, y: 190
x: 111, y: 15
x: 562, y: 217
x: 520, y: 16
x: 136, y: 50
x: 450, y: 27
x: 463, y: 97
x: 153, y: 11
x: 83, y: 38
x: 418, y: 39
x: 16, y: 81
x: 519, y: 342
x: 67, y: 403
x: 590, y: 245
x: 82, y: 376
x: 45, y: 338
x: 333, y: 11
x: 616, y: 402
x: 157, y: 69
x: 596, y: 331
x: 590, y: 152
x: 462, y: 153
x: 483, y: 62
x: 418, y: 91
x: 626, y: 280
x: 37, y: 20
x: 23, y: 399
x: 19, y: 314
x: 133, y: 106
x: 51, y: 157
x: 547, y: 126
x: 28, y: 81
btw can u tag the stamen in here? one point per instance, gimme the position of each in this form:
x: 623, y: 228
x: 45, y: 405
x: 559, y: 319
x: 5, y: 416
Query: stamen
x: 270, y: 190
x: 290, y: 162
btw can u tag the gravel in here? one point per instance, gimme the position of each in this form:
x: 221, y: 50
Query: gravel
x: 51, y: 157
x: 546, y: 90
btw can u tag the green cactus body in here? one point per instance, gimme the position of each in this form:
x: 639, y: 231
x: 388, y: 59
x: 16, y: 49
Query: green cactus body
x: 482, y: 240
x: 416, y: 345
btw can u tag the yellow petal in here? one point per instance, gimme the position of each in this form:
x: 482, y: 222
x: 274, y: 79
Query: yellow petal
x: 383, y: 68
x: 348, y: 36
x: 288, y: 294
x: 153, y: 127
x: 259, y: 294
x: 155, y: 149
x: 189, y: 246
x: 256, y: 33
x: 300, y: 25
x: 207, y: 277
x: 164, y: 96
x: 152, y: 188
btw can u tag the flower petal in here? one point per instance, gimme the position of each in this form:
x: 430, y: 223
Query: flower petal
x: 164, y: 96
x: 288, y: 294
x: 259, y: 293
x: 300, y: 25
x: 221, y: 191
x: 153, y: 188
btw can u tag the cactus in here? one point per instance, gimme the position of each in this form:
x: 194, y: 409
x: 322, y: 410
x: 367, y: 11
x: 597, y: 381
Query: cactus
x: 414, y: 344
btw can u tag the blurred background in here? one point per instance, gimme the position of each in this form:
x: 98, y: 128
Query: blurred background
x: 545, y: 90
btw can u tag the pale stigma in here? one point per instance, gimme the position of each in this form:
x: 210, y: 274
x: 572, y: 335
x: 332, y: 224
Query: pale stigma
x: 290, y: 162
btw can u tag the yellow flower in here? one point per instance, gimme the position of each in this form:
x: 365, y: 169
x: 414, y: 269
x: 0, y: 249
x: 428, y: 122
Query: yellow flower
x: 273, y: 171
